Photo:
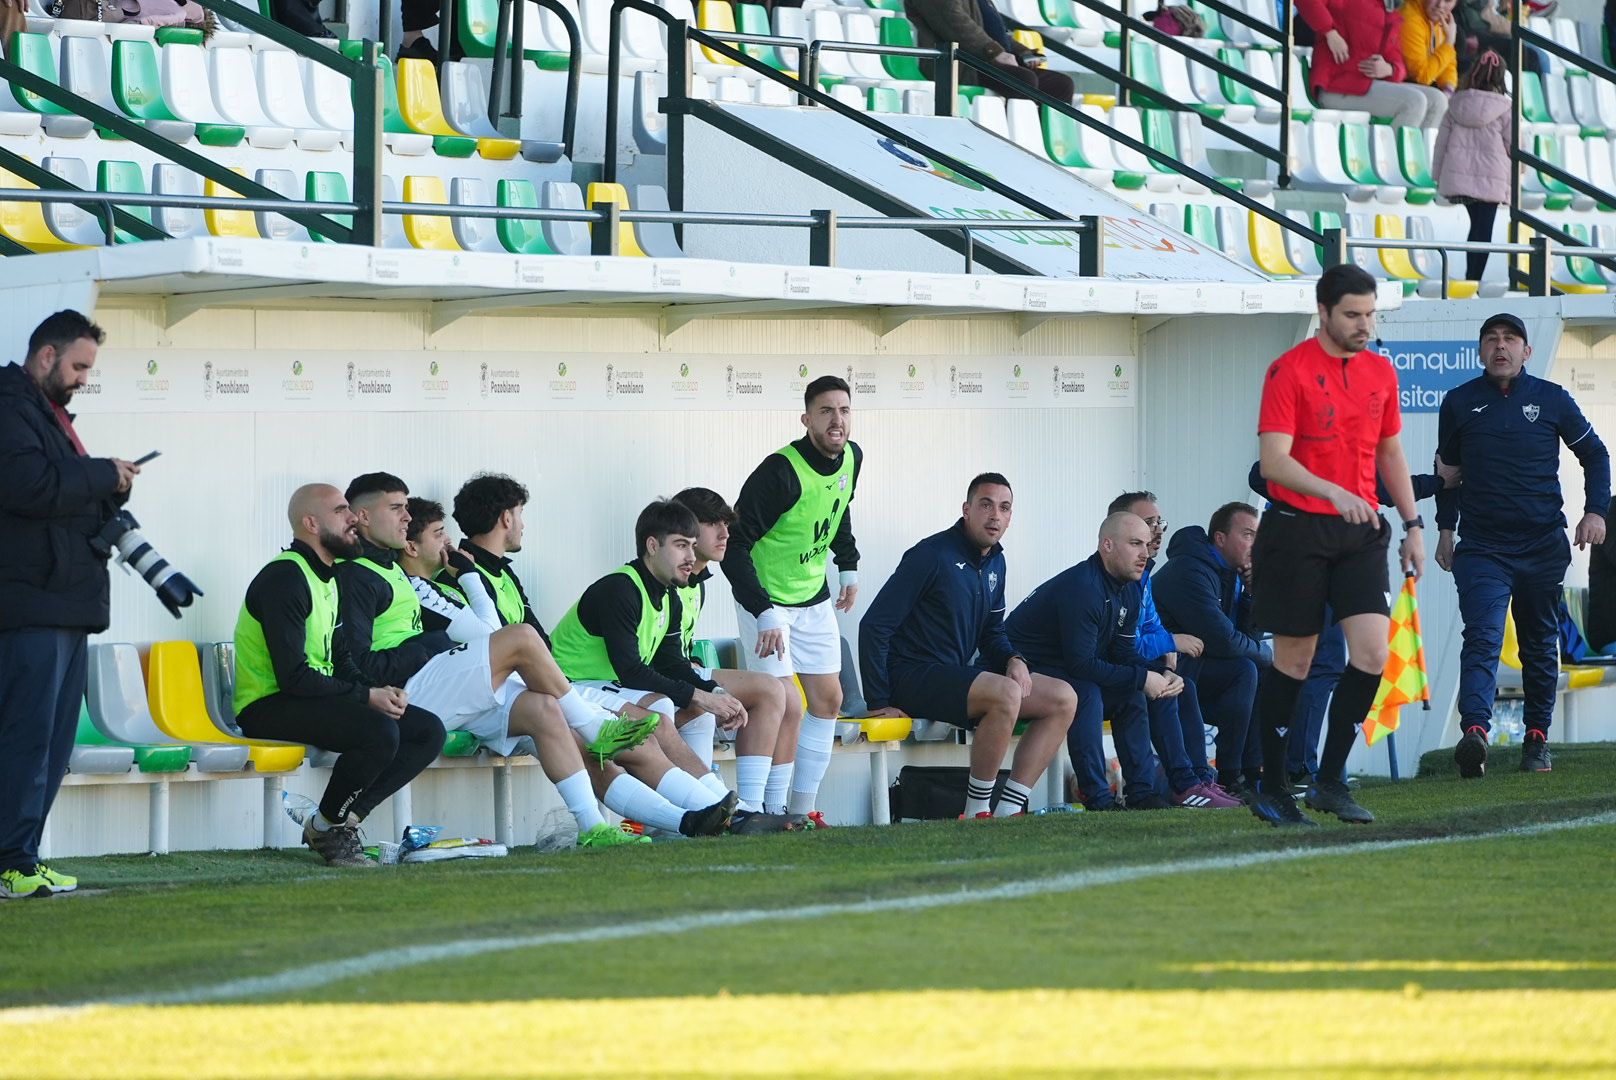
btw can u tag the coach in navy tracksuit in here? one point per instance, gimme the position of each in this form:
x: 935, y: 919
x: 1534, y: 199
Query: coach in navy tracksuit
x: 933, y: 645
x: 1502, y: 432
x: 1080, y: 626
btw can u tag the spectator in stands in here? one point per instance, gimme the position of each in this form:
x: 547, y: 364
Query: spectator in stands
x: 419, y: 16
x: 1202, y: 591
x: 1601, y: 611
x: 623, y: 635
x: 302, y: 16
x: 1484, y: 25
x: 488, y: 508
x: 1081, y: 626
x: 1358, y: 63
x: 763, y: 697
x: 54, y: 591
x: 1471, y: 162
x: 1181, y: 749
x: 384, y: 639
x: 1429, y: 34
x: 286, y: 688
x: 933, y: 645
x: 1501, y: 433
x: 961, y: 22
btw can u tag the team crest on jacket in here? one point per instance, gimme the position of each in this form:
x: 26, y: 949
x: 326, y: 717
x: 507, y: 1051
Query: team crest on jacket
x: 1122, y: 615
x: 993, y: 580
x: 1530, y: 412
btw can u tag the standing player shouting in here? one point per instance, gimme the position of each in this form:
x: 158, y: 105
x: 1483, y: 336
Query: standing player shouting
x: 793, y: 514
x: 1329, y: 420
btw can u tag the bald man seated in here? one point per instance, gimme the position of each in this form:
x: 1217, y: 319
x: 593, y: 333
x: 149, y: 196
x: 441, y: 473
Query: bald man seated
x: 1082, y: 626
x: 286, y: 690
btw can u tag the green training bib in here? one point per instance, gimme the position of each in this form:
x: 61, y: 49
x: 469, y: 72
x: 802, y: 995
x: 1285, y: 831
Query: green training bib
x: 402, y: 619
x: 791, y: 557
x: 255, y: 671
x: 581, y: 655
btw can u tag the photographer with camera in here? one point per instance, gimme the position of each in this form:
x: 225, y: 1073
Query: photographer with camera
x: 54, y: 590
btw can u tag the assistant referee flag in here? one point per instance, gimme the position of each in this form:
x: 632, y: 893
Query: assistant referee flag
x: 1405, y: 680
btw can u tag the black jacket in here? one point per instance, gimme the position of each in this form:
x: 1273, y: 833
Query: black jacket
x: 1198, y: 593
x: 53, y: 501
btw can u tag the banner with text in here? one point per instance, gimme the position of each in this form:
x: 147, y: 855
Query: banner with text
x: 1427, y: 370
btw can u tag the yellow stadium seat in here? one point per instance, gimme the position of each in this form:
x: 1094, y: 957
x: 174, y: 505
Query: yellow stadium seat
x: 25, y: 222
x: 422, y: 107
x: 1577, y: 288
x: 1268, y: 246
x: 236, y: 223
x: 1460, y: 289
x: 627, y: 243
x: 886, y: 728
x: 1578, y: 678
x: 1395, y: 260
x: 426, y: 231
x: 180, y: 707
x: 1510, y: 654
x: 719, y: 17
x: 1032, y: 39
x: 1103, y: 101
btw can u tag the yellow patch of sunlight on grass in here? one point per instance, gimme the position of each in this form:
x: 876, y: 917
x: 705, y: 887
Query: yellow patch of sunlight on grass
x: 1302, y: 967
x: 936, y: 1033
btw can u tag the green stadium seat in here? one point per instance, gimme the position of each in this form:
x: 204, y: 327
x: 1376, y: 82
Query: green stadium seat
x: 124, y: 176
x: 1146, y: 68
x: 36, y: 54
x: 898, y: 32
x: 705, y: 653
x: 1356, y: 159
x: 137, y: 85
x: 883, y: 99
x: 479, y: 26
x: 1415, y: 157
x: 754, y: 19
x: 148, y: 758
x: 321, y: 186
x: 1558, y: 194
x: 1583, y: 271
x: 401, y: 138
x: 1534, y: 107
x: 520, y: 237
x: 1058, y: 13
x: 93, y: 753
x: 1201, y: 222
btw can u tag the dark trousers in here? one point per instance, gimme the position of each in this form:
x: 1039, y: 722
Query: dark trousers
x: 1491, y: 583
x: 1171, y: 743
x: 379, y: 755
x: 1482, y: 215
x: 1130, y: 731
x: 1221, y: 693
x: 1329, y: 661
x: 42, y: 674
x: 1054, y: 83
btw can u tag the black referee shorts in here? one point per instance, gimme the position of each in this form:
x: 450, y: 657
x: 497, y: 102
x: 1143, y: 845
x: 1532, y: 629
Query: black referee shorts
x: 1303, y: 561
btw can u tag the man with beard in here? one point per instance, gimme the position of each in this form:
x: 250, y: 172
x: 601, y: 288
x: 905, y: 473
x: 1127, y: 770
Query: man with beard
x: 792, y: 515
x: 54, y: 590
x: 286, y: 688
x: 1329, y: 422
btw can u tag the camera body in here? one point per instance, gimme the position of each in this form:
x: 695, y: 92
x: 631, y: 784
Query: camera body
x: 122, y: 534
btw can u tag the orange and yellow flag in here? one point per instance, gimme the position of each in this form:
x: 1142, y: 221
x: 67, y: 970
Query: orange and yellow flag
x: 1404, y: 681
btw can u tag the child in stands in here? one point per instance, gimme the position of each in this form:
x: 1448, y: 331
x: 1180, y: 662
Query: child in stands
x: 1471, y: 162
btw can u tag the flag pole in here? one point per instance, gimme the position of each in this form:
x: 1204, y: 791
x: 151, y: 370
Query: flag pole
x: 1391, y: 754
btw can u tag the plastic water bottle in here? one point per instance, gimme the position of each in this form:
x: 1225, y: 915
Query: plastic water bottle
x: 1509, y: 727
x: 298, y: 807
x: 557, y: 832
x: 1059, y: 808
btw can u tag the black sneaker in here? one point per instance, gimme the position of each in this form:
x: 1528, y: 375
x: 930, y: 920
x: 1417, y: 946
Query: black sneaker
x: 339, y: 845
x: 1332, y: 797
x: 1151, y: 801
x: 1535, y: 752
x: 1280, y: 810
x: 754, y: 822
x: 1471, y: 754
x: 1301, y: 780
x: 711, y: 820
x: 1240, y: 790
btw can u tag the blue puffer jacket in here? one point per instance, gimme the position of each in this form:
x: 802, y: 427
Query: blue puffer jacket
x: 1198, y: 593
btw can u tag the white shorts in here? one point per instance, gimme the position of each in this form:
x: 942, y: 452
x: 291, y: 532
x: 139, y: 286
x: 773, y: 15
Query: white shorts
x: 813, y: 642
x: 613, y: 695
x: 458, y: 688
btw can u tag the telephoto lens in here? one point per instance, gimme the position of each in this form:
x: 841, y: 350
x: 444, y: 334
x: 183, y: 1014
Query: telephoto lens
x: 173, y: 588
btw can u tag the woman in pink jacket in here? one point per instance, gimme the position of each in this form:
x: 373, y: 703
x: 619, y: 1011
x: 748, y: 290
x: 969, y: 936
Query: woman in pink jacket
x: 1471, y: 162
x: 1358, y: 62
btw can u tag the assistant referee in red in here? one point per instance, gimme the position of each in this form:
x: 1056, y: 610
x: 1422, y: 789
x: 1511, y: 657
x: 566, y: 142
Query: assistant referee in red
x: 1330, y: 419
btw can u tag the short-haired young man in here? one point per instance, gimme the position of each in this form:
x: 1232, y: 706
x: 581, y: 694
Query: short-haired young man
x: 792, y: 515
x: 456, y: 600
x: 489, y: 509
x: 933, y: 645
x: 287, y: 689
x: 1329, y: 422
x: 467, y: 684
x: 1202, y: 591
x: 763, y: 696
x: 1081, y: 626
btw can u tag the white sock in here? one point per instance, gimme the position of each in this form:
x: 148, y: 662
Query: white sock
x: 632, y: 799
x: 714, y: 783
x: 698, y: 735
x: 814, y: 744
x: 579, y: 796
x: 584, y: 717
x: 777, y: 788
x: 978, y: 794
x: 318, y: 822
x: 751, y: 780
x: 682, y: 789
x: 1013, y: 799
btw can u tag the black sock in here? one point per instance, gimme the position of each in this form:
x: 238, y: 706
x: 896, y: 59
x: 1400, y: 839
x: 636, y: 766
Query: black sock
x: 1276, y: 711
x: 1354, y: 694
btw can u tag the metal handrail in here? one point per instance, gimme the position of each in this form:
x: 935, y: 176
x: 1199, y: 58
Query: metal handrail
x: 509, y: 35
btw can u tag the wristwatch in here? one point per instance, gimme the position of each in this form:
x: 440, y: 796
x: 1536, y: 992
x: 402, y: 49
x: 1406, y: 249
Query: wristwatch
x: 1415, y: 522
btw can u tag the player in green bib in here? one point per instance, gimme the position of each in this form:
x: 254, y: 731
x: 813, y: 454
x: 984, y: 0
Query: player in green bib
x: 286, y: 687
x: 792, y: 517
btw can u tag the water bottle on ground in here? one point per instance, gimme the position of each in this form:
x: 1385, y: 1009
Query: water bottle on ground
x: 298, y: 807
x: 557, y: 832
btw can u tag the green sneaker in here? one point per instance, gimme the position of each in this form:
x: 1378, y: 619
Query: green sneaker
x: 57, y: 882
x: 19, y: 884
x: 604, y: 835
x: 619, y: 733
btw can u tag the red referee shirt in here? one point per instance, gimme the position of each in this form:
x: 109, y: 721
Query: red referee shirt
x: 1337, y: 411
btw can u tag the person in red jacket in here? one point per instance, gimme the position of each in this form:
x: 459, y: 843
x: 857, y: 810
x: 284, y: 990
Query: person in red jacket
x: 1358, y: 63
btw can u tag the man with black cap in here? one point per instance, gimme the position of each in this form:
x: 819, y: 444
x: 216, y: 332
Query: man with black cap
x: 1501, y: 432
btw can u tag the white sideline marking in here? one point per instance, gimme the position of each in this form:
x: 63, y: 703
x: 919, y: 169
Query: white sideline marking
x: 322, y: 974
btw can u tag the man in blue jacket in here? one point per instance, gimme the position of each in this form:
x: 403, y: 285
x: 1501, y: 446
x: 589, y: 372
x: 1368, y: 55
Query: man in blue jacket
x: 1501, y: 433
x: 933, y: 644
x: 1202, y: 591
x: 1080, y: 626
x: 54, y: 590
